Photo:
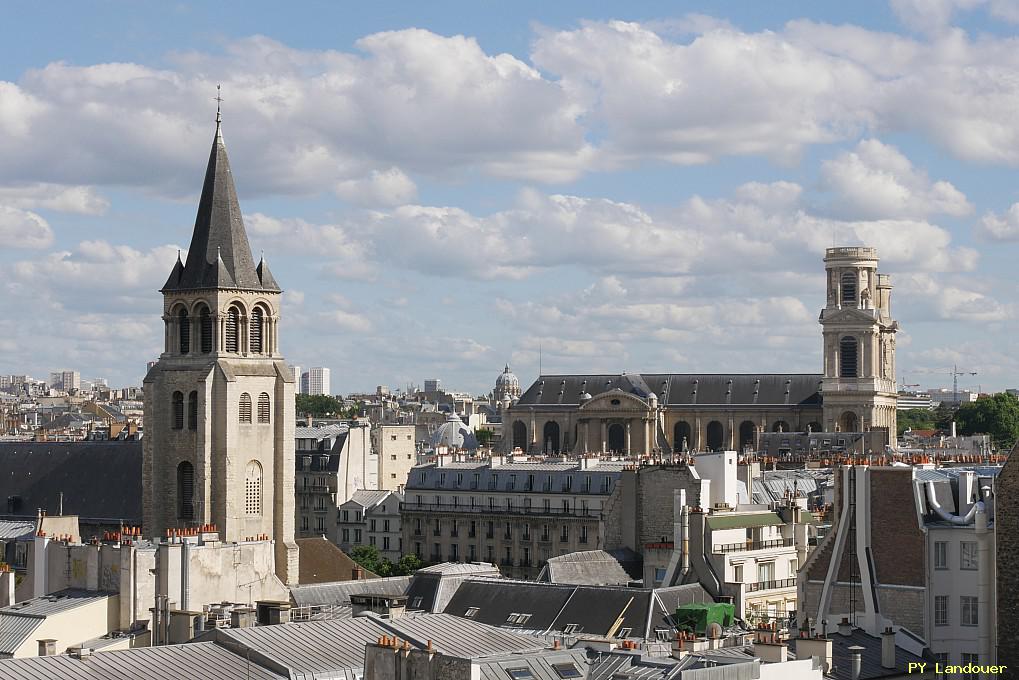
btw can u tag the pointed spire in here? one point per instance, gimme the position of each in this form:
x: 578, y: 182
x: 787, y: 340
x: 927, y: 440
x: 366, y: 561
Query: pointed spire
x: 265, y: 276
x: 173, y: 281
x: 219, y: 254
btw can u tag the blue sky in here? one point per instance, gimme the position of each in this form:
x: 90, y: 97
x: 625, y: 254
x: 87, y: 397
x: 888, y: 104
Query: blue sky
x: 442, y: 188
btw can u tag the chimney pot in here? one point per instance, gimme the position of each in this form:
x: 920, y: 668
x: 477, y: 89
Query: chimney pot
x: 888, y: 648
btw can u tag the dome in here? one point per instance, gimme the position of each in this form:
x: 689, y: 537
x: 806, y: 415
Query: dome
x: 454, y: 434
x: 506, y: 378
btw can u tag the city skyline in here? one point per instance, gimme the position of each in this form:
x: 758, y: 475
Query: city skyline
x: 545, y: 214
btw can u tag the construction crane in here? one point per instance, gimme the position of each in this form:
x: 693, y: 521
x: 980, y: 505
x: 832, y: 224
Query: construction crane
x: 955, y: 373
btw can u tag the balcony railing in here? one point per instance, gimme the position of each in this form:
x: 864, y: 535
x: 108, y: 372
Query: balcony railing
x: 771, y: 585
x: 746, y: 546
x: 515, y: 510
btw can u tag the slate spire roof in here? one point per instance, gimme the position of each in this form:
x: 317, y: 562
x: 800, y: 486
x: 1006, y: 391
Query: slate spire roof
x: 219, y: 256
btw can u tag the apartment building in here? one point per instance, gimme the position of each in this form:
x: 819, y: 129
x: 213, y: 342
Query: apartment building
x: 332, y: 462
x: 514, y: 514
x: 396, y: 450
x: 371, y: 517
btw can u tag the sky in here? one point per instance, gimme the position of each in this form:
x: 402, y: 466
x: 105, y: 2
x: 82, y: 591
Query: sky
x: 443, y: 188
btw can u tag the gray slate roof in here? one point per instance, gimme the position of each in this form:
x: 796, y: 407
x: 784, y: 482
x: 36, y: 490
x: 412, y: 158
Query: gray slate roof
x: 870, y: 666
x: 219, y: 255
x: 19, y: 621
x: 680, y: 389
x: 10, y: 529
x: 588, y: 567
x: 196, y: 661
x: 338, y: 593
x: 99, y: 479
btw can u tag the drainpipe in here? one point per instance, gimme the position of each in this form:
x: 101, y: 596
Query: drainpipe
x: 984, y: 605
x: 947, y: 516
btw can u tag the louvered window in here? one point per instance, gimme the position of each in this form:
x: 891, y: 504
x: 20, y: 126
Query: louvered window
x: 245, y: 408
x: 849, y: 289
x: 848, y: 361
x: 263, y: 408
x: 206, y: 327
x: 184, y: 331
x: 193, y: 411
x: 186, y: 492
x: 257, y: 318
x: 178, y: 410
x: 233, y: 322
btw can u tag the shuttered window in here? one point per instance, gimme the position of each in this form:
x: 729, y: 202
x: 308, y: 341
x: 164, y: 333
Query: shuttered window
x: 263, y: 408
x: 245, y: 408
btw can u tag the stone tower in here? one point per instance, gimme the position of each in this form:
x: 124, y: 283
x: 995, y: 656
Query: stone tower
x: 219, y: 403
x: 858, y: 389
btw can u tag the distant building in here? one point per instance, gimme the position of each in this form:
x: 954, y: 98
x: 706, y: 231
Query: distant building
x: 315, y: 381
x: 914, y: 400
x: 371, y: 518
x: 332, y: 463
x: 65, y: 380
x: 397, y: 454
x: 295, y: 369
x: 507, y: 386
x: 432, y: 385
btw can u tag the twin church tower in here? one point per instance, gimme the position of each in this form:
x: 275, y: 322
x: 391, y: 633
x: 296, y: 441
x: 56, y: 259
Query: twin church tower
x: 219, y: 403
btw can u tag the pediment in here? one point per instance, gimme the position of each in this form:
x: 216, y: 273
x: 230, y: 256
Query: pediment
x: 615, y: 399
x: 855, y: 316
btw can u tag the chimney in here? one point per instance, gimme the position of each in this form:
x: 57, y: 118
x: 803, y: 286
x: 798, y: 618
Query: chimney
x: 242, y: 618
x: 80, y: 653
x: 47, y: 647
x: 307, y: 420
x: 818, y: 646
x: 7, y: 587
x: 845, y: 628
x: 855, y: 661
x: 888, y: 648
x: 771, y: 651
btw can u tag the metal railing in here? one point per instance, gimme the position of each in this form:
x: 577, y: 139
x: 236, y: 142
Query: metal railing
x: 449, y: 507
x: 746, y: 546
x: 771, y: 585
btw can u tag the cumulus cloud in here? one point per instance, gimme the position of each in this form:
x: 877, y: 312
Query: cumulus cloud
x: 876, y: 181
x: 1004, y: 227
x: 385, y: 188
x: 71, y: 199
x: 23, y: 228
x: 99, y: 266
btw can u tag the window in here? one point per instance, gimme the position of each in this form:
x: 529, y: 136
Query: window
x: 967, y: 659
x: 416, y: 602
x: 385, y: 542
x: 941, y: 554
x: 793, y: 565
x: 659, y: 574
x: 320, y: 524
x: 969, y: 610
x: 372, y: 524
x: 566, y: 670
x: 304, y: 524
x: 968, y: 555
x: 849, y: 289
x: 255, y: 331
x: 385, y: 524
x: 184, y: 331
x: 233, y: 322
x: 186, y: 491
x: 941, y: 658
x: 471, y: 612
x: 244, y: 410
x: 941, y: 610
x: 357, y: 536
x: 624, y: 633
x: 518, y: 619
x: 205, y: 325
x: 765, y: 571
x: 371, y: 539
x: 583, y: 534
x: 520, y: 673
x: 193, y: 410
x: 847, y: 357
x: 346, y: 535
x: 346, y: 515
x: 178, y: 410
x: 565, y: 534
x: 263, y: 408
x: 253, y: 489
x: 737, y: 573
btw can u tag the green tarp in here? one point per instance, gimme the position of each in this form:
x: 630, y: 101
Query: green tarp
x: 697, y: 617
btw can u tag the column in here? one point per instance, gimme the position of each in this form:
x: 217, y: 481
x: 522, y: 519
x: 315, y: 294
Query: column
x: 604, y: 435
x: 696, y: 434
x: 629, y: 449
x: 647, y: 436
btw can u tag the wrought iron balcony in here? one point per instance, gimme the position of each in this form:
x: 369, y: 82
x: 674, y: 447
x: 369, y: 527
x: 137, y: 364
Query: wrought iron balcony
x: 720, y: 548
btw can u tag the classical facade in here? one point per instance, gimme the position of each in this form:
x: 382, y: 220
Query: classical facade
x: 219, y: 403
x: 661, y: 414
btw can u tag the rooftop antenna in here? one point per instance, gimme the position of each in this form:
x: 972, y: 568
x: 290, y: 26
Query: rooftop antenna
x: 539, y: 359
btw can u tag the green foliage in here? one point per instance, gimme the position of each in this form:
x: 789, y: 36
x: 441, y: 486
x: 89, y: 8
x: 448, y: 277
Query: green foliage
x: 368, y: 557
x: 484, y: 436
x: 996, y: 415
x: 915, y: 419
x: 318, y: 405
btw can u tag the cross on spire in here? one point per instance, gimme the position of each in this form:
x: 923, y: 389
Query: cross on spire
x: 219, y: 101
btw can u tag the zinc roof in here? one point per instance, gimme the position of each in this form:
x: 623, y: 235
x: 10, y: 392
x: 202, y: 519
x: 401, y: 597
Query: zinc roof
x: 743, y: 520
x: 196, y: 661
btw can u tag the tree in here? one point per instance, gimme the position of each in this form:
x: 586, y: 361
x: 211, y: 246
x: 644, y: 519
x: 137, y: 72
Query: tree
x: 368, y: 557
x: 484, y: 436
x: 915, y: 419
x: 407, y: 565
x: 318, y: 405
x: 996, y: 415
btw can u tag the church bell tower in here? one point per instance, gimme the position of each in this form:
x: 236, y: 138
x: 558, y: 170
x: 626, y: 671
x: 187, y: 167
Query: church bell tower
x: 219, y: 403
x: 858, y: 389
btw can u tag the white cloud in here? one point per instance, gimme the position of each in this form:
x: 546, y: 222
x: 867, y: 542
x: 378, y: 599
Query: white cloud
x: 1003, y: 227
x: 930, y: 16
x: 23, y: 229
x: 341, y: 320
x: 98, y: 266
x: 385, y: 188
x: 876, y: 181
x: 71, y: 199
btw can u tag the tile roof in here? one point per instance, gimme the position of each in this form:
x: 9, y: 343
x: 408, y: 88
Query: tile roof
x: 369, y: 497
x: 323, y: 562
